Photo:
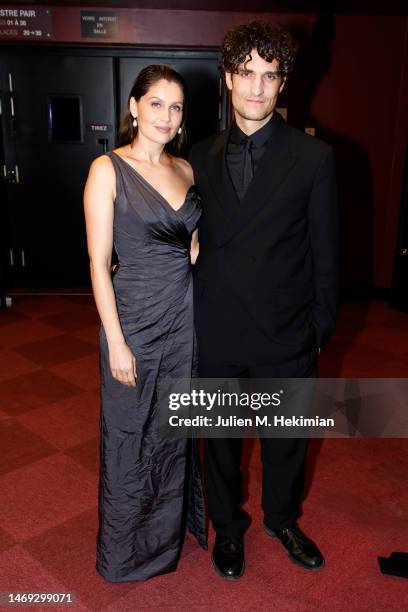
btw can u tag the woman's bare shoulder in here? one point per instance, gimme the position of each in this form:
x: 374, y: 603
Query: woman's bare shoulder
x: 102, y: 168
x: 100, y: 163
x: 101, y: 176
x: 184, y: 167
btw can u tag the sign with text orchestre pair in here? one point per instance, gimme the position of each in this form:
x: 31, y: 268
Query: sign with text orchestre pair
x: 25, y: 23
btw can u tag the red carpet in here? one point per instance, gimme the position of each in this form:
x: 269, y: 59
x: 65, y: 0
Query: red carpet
x: 356, y: 505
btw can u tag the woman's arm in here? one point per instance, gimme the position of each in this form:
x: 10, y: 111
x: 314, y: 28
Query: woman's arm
x: 99, y: 196
x: 188, y: 173
x: 194, y: 247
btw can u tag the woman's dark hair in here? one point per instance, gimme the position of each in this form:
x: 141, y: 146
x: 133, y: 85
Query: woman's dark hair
x: 144, y: 80
x: 270, y: 41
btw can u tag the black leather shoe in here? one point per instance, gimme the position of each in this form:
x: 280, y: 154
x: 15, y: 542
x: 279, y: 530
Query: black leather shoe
x: 228, y: 557
x: 301, y: 549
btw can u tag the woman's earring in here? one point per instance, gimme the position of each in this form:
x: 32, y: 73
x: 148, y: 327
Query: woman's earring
x: 134, y: 122
x: 179, y: 130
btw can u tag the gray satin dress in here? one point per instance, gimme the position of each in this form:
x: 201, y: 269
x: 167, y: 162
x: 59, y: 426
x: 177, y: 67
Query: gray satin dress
x: 150, y: 487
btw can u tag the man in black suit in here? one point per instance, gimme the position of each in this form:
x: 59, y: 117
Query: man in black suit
x: 266, y: 279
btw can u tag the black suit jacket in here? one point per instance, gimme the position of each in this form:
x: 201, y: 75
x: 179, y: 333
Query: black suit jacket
x: 266, y: 279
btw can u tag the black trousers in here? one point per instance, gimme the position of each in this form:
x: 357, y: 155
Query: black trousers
x: 283, y: 459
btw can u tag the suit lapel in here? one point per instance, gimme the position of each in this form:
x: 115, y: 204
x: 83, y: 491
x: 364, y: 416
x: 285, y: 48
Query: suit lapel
x: 274, y: 167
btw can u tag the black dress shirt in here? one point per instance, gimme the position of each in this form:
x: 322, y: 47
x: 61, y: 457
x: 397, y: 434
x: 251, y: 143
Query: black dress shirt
x: 236, y: 151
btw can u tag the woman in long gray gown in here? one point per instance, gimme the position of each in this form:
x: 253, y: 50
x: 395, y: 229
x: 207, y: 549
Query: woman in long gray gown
x: 140, y: 199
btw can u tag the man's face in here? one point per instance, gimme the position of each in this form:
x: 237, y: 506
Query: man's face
x: 255, y: 88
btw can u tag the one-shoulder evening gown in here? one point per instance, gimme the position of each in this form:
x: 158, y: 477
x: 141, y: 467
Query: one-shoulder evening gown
x: 149, y: 486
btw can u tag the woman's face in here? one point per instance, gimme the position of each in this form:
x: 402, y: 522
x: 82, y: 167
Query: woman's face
x: 159, y: 112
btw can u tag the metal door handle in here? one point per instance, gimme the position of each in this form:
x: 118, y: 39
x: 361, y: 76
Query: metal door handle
x: 104, y: 142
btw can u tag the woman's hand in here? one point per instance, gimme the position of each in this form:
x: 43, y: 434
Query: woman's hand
x: 122, y: 363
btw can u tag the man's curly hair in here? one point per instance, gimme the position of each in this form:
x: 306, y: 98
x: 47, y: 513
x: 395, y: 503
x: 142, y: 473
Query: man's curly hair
x: 270, y: 41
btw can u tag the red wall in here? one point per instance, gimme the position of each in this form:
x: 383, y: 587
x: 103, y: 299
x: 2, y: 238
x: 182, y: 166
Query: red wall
x: 358, y: 104
x: 362, y: 107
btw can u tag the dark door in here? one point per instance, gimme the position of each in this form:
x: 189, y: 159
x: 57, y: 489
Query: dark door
x: 64, y: 117
x: 60, y: 111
